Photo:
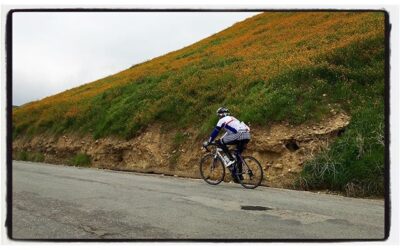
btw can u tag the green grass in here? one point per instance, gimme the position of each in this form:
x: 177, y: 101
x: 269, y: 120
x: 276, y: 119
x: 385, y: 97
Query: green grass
x: 80, y: 159
x: 190, y: 92
x: 179, y: 139
x: 29, y: 156
x: 354, y: 163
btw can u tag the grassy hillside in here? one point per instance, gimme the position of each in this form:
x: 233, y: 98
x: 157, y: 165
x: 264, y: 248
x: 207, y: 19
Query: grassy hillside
x: 273, y: 67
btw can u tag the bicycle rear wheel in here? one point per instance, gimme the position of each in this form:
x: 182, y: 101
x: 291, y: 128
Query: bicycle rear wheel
x: 251, y: 172
x: 212, y: 169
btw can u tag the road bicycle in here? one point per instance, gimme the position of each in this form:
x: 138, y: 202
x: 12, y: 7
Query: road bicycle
x: 246, y: 169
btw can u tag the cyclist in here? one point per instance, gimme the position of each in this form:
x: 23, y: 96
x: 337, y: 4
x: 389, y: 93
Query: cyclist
x: 237, y: 133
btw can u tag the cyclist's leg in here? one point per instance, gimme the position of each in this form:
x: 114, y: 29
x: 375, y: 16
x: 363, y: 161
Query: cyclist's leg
x: 244, y: 139
x: 225, y: 149
x: 241, y: 146
x: 228, y: 140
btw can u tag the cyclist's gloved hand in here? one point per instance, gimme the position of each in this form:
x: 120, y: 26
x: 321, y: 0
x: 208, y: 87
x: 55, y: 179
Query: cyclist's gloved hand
x: 206, y: 143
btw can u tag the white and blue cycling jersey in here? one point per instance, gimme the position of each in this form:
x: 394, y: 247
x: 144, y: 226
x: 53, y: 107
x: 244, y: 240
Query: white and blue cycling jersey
x: 232, y: 126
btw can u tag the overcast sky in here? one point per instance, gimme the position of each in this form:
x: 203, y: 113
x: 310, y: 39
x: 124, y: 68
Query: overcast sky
x: 53, y: 52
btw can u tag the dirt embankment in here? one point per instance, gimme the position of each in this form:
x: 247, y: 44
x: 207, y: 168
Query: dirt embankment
x: 281, y: 149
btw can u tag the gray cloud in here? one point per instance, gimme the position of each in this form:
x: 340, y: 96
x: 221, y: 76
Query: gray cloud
x: 53, y: 52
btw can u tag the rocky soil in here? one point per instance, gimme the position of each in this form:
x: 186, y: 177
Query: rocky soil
x: 282, y: 149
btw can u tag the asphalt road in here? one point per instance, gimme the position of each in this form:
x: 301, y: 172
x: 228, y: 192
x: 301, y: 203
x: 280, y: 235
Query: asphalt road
x: 58, y: 202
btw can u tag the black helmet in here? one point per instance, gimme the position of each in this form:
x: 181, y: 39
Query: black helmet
x: 221, y: 112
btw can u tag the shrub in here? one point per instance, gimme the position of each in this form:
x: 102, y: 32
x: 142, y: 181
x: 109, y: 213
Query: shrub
x: 22, y: 156
x: 80, y: 159
x: 30, y: 156
x: 37, y: 157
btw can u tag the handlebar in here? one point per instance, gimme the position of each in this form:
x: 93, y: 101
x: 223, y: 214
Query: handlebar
x: 210, y: 144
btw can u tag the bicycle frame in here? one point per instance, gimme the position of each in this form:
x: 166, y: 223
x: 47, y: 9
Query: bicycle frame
x: 220, y: 156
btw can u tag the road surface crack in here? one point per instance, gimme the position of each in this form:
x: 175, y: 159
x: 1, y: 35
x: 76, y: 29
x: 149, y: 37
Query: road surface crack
x: 96, y: 232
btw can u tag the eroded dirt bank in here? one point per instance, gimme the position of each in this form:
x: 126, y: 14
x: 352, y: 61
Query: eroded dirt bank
x: 281, y: 149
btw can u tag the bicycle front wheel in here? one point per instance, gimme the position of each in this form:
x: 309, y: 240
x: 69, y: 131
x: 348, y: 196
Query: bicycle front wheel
x: 212, y: 169
x: 252, y: 173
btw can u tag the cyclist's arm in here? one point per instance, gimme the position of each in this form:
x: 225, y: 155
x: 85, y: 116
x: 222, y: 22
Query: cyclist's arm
x: 214, y: 133
x: 220, y: 124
